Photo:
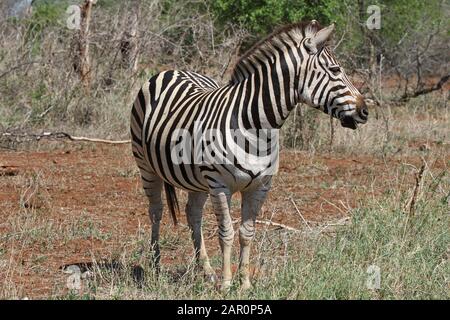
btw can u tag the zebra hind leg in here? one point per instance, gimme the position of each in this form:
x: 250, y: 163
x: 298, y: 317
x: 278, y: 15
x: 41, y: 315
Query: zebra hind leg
x: 221, y: 202
x: 194, y: 210
x: 252, y: 202
x: 152, y: 188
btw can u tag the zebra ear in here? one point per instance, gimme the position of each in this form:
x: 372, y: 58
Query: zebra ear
x: 321, y: 37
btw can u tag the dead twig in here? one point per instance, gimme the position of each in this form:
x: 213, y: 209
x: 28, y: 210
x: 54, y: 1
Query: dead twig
x: 341, y: 222
x: 273, y: 224
x: 61, y: 135
x: 278, y: 225
x: 300, y: 214
x: 73, y: 138
x: 413, y: 201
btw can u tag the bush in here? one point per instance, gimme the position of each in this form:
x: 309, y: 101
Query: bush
x: 260, y: 17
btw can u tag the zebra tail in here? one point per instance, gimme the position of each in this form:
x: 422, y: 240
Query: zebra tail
x: 172, y: 202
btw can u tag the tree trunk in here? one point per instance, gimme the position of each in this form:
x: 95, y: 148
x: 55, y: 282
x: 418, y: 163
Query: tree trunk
x: 129, y: 48
x: 82, y: 63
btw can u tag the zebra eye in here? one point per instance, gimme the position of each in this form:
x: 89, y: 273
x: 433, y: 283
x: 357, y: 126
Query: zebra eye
x: 335, y: 70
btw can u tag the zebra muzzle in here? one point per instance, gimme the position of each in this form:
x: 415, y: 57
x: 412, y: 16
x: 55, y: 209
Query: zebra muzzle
x: 348, y: 122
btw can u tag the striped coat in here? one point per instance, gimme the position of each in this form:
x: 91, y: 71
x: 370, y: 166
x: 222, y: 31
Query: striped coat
x: 190, y: 133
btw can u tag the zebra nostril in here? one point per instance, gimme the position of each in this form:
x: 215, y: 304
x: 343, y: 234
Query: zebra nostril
x: 365, y: 112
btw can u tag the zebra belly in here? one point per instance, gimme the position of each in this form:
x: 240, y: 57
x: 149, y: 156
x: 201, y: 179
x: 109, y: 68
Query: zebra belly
x: 203, y: 176
x: 237, y: 180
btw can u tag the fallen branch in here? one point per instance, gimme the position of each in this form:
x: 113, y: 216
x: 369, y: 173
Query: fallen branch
x: 61, y: 135
x: 273, y: 224
x: 406, y: 96
x: 341, y: 222
x: 73, y: 138
x: 330, y: 225
x: 278, y: 225
x: 265, y: 222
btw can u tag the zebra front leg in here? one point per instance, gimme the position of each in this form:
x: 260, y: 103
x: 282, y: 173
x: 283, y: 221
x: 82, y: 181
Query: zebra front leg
x: 221, y: 204
x: 152, y: 188
x: 252, y: 202
x: 194, y: 210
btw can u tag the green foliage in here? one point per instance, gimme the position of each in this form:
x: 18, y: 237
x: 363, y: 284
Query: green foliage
x: 401, y: 20
x: 261, y: 16
x: 46, y: 14
x: 399, y: 17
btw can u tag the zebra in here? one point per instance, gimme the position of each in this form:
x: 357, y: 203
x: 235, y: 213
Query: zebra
x: 293, y: 65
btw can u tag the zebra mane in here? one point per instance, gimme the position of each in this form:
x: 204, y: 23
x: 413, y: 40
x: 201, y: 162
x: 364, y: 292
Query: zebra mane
x: 288, y: 34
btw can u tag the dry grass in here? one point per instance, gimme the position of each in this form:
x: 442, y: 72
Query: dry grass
x: 82, y: 204
x: 39, y: 87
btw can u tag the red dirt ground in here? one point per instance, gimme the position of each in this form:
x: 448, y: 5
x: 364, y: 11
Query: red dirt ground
x: 100, y: 185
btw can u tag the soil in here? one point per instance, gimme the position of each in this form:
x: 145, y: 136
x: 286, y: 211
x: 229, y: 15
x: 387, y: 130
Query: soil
x: 100, y: 184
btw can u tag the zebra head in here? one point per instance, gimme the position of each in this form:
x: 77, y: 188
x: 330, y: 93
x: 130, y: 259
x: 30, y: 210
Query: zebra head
x: 325, y: 85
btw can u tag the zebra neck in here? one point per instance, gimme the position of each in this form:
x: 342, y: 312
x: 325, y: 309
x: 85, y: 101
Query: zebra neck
x: 267, y: 98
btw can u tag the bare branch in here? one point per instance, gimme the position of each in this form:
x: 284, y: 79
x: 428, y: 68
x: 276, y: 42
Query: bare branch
x: 413, y: 200
x: 299, y: 213
x: 437, y: 86
x: 61, y: 135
